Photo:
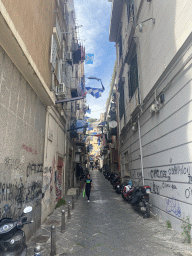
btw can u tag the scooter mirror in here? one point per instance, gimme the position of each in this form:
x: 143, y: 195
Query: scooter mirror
x: 27, y: 209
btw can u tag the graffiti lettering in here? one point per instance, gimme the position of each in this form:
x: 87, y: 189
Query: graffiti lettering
x: 175, y: 170
x: 47, y: 169
x: 12, y: 163
x: 172, y: 206
x: 159, y: 174
x: 167, y: 185
x: 156, y: 189
x: 19, y: 193
x: 34, y: 168
x: 188, y: 192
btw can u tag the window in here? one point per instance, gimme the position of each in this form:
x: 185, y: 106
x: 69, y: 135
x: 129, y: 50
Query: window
x: 130, y: 11
x: 121, y: 100
x: 133, y: 76
x: 120, y: 46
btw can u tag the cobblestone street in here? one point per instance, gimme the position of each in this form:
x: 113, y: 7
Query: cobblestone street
x: 108, y: 226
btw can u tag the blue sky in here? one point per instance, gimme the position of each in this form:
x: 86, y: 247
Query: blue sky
x: 94, y: 16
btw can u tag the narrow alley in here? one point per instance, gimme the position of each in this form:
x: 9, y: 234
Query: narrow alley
x: 109, y: 226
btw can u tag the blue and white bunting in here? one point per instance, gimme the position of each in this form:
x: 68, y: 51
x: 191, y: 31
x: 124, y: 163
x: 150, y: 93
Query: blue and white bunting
x: 89, y: 58
x: 95, y: 92
x: 80, y: 123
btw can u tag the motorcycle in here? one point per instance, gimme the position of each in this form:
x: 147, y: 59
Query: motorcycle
x: 12, y: 237
x: 140, y: 199
x: 127, y: 193
x: 118, y: 188
x: 126, y: 190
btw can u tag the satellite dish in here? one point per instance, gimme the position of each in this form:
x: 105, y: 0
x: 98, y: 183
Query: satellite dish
x: 112, y: 124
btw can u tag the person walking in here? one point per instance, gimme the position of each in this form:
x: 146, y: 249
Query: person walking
x: 88, y: 186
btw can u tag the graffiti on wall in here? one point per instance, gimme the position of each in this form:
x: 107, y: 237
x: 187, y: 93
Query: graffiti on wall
x: 20, y: 190
x: 11, y: 163
x: 172, y: 206
x: 20, y: 193
x: 157, y: 188
x: 29, y: 149
x: 33, y: 168
x: 172, y: 171
x: 59, y: 179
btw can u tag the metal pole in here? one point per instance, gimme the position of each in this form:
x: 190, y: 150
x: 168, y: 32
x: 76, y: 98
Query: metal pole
x: 76, y: 193
x: 141, y: 151
x: 62, y: 221
x: 53, y: 241
x: 73, y: 203
x: 37, y: 250
x: 69, y: 211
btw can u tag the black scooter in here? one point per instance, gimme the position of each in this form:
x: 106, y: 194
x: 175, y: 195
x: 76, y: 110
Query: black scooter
x: 140, y: 199
x: 12, y: 237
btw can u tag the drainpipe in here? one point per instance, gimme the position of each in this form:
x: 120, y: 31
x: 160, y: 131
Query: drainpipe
x: 141, y: 151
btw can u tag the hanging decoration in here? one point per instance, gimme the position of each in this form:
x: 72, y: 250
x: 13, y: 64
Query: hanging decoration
x: 89, y: 58
x: 95, y: 92
x: 80, y: 124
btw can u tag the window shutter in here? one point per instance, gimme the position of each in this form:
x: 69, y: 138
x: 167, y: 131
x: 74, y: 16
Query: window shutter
x: 53, y: 52
x: 59, y: 71
x: 133, y: 76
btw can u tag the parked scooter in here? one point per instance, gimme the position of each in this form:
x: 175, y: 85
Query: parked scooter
x: 12, y: 237
x: 127, y: 191
x: 140, y: 199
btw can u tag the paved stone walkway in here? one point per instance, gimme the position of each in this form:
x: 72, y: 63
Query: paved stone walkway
x: 108, y: 226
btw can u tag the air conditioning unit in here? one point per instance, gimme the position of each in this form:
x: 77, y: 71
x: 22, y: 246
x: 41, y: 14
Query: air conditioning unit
x: 61, y: 91
x: 69, y: 56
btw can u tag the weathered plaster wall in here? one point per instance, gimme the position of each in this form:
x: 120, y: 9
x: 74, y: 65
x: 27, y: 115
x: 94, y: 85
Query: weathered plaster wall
x: 22, y: 132
x: 54, y: 162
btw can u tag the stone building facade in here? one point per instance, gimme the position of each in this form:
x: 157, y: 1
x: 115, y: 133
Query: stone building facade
x: 38, y: 68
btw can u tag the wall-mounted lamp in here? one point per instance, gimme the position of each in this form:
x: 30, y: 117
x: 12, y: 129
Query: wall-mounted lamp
x: 134, y: 127
x: 154, y: 108
x: 141, y: 27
